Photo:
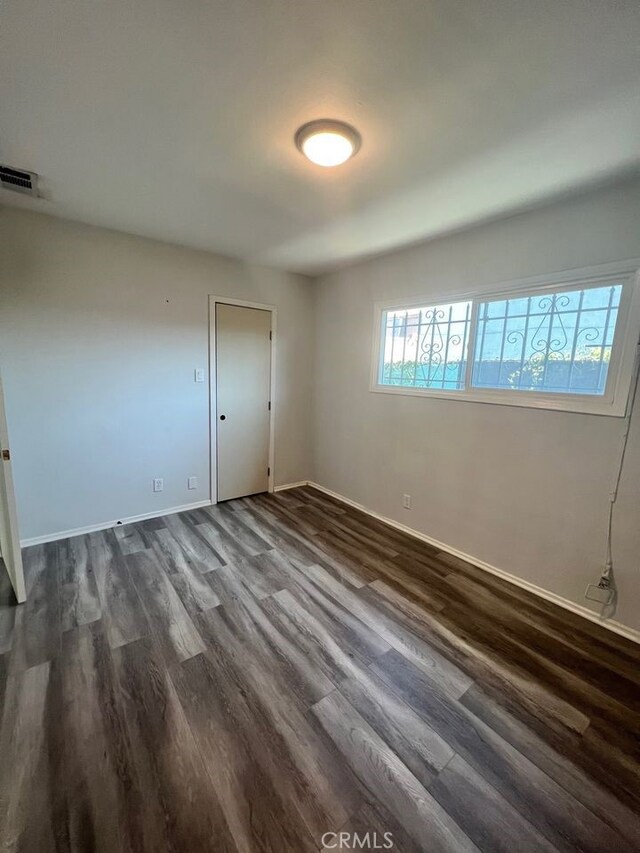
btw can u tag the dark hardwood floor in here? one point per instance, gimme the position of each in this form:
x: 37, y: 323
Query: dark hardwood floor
x: 255, y: 675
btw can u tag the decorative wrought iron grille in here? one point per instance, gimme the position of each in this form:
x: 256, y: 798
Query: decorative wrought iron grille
x: 553, y: 342
x: 426, y: 347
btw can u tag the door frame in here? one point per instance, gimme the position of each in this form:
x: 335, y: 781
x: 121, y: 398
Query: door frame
x: 11, y: 516
x: 213, y: 402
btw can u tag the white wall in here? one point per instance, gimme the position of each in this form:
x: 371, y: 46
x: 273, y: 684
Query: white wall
x: 521, y: 489
x: 99, y: 336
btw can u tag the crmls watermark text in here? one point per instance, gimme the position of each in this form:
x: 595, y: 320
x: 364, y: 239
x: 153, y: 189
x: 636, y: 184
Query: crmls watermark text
x: 357, y: 841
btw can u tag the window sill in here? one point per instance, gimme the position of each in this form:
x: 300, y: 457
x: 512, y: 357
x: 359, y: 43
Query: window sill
x: 585, y: 404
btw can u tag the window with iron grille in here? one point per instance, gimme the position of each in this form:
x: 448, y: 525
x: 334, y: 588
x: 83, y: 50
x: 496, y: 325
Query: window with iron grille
x: 426, y: 347
x: 558, y: 344
x: 555, y: 342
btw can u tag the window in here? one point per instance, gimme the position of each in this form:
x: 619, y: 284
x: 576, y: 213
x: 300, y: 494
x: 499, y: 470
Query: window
x: 426, y: 347
x: 554, y: 344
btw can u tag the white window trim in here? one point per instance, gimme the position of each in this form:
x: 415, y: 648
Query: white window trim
x: 623, y: 357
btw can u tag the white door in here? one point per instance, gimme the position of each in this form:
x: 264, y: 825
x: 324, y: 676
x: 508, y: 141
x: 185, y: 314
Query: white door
x: 243, y: 384
x: 9, y: 536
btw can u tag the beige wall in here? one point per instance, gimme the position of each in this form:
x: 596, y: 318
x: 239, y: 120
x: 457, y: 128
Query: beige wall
x: 100, y: 334
x: 522, y: 489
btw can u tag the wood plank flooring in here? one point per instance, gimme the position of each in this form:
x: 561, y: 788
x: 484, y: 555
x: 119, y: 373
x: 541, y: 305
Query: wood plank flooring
x: 258, y: 675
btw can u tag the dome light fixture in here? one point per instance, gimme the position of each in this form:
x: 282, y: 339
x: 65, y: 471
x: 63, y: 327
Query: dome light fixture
x: 327, y: 142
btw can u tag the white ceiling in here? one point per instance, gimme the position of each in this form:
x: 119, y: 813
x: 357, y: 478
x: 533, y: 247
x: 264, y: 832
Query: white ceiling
x: 174, y: 119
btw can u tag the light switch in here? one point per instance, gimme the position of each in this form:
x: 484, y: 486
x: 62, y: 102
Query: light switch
x: 199, y: 374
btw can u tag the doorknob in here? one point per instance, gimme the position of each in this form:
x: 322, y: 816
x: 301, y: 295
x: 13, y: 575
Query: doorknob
x: 223, y: 417
x: 6, y: 455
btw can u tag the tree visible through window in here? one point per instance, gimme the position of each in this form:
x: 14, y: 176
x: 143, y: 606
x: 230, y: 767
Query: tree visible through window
x: 557, y: 342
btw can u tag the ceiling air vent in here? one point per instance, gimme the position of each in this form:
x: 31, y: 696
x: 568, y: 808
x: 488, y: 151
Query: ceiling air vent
x: 18, y: 180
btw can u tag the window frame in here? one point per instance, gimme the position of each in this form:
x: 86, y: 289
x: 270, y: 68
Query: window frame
x: 623, y: 352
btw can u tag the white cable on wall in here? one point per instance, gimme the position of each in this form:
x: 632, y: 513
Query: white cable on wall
x: 607, y: 580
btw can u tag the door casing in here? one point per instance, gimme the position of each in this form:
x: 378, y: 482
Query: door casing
x: 10, y: 542
x: 213, y: 401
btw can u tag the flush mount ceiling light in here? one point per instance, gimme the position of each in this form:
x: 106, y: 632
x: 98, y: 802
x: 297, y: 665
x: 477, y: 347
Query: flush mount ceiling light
x: 327, y: 142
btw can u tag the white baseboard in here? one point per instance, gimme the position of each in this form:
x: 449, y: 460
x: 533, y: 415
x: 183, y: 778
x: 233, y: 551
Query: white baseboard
x: 580, y: 610
x: 290, y: 486
x: 105, y: 525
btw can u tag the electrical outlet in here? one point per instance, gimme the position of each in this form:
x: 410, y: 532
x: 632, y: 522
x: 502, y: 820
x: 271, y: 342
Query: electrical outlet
x: 192, y: 483
x: 601, y: 594
x: 406, y: 501
x: 158, y: 484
